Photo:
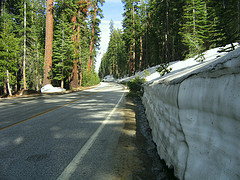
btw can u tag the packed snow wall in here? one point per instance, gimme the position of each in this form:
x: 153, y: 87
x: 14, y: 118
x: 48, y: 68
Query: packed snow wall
x: 194, y: 114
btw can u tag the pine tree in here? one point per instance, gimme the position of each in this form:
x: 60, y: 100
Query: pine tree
x: 195, y: 26
x: 48, y: 43
x: 130, y: 33
x: 114, y: 60
x: 95, y: 12
x: 33, y: 40
x: 215, y: 35
x: 228, y: 14
x: 63, y: 49
x: 9, y: 51
x: 36, y: 48
x: 24, y: 44
x: 78, y: 21
x: 143, y: 18
x: 121, y: 55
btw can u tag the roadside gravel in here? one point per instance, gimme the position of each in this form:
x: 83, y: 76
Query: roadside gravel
x: 136, y: 156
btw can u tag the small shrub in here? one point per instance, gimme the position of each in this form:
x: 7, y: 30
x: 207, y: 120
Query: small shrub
x: 135, y: 84
x: 163, y: 69
x: 200, y: 57
x: 90, y: 79
x: 146, y: 73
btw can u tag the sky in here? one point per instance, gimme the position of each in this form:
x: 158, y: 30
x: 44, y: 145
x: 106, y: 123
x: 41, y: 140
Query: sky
x: 112, y: 10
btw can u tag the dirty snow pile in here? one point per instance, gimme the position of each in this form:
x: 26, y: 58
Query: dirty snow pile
x: 108, y: 78
x: 50, y: 89
x: 194, y: 114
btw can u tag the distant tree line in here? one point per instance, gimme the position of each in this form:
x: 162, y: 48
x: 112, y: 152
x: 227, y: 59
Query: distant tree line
x: 161, y: 31
x: 22, y: 43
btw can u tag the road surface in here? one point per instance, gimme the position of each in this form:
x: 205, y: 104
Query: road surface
x: 69, y: 136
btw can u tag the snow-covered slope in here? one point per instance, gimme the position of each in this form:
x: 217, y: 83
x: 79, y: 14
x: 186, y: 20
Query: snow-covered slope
x: 194, y: 113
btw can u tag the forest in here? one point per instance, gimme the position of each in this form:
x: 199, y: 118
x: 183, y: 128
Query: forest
x: 47, y: 41
x: 160, y: 31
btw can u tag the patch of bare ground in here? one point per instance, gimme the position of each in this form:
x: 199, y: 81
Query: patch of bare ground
x: 136, y: 157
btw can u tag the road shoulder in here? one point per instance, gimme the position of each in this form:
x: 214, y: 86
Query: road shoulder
x: 136, y: 155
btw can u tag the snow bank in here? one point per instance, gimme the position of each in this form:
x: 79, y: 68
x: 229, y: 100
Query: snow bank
x: 178, y: 67
x: 50, y: 89
x: 108, y: 78
x: 194, y: 115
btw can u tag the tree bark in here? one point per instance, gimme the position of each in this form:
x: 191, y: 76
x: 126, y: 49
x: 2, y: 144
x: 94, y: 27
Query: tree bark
x: 5, y: 87
x: 238, y: 31
x: 132, y: 47
x: 134, y: 44
x: 167, y: 56
x: 62, y: 78
x: 8, y: 85
x: 141, y: 53
x: 48, y: 43
x: 24, y: 47
x: 92, y: 39
x: 74, y: 76
x: 37, y: 71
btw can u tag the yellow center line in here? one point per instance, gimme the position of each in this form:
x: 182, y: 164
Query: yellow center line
x: 49, y: 110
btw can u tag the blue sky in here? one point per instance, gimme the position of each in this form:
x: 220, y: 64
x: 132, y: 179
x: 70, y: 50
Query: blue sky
x: 112, y: 10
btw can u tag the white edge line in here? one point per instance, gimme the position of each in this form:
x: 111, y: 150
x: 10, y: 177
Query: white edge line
x: 72, y: 166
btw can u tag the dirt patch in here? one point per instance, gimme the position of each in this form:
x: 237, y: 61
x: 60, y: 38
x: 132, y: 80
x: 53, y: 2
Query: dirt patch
x: 136, y: 154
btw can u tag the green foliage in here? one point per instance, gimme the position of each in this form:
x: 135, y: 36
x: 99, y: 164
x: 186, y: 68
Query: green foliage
x: 135, y: 84
x: 63, y: 48
x: 163, y: 69
x: 90, y: 79
x: 153, y: 32
x: 12, y: 37
x: 9, y: 50
x: 228, y: 17
x: 156, y: 32
x: 146, y: 73
x: 199, y: 30
x: 114, y: 60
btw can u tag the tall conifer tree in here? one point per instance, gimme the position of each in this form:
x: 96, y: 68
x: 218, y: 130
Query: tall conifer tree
x: 48, y: 43
x: 63, y: 50
x: 9, y: 46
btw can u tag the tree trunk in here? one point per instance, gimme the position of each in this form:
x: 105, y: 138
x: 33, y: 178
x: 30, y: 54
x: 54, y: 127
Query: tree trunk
x: 134, y: 43
x: 62, y: 78
x: 16, y: 84
x: 5, y: 87
x: 74, y: 76
x: 92, y: 39
x: 141, y: 54
x: 238, y: 31
x: 173, y: 48
x: 62, y: 83
x: 132, y: 47
x: 1, y: 7
x: 80, y: 78
x: 167, y: 56
x: 48, y: 43
x: 116, y: 70
x: 8, y: 85
x: 37, y: 70
x: 24, y: 47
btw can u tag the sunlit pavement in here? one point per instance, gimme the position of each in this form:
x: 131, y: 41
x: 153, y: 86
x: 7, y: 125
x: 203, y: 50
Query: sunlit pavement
x: 61, y: 136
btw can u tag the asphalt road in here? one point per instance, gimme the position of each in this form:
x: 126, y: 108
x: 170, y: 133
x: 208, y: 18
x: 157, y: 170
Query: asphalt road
x: 69, y: 136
